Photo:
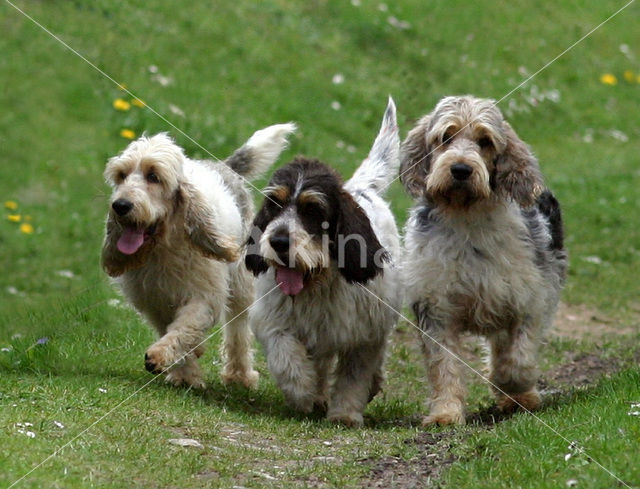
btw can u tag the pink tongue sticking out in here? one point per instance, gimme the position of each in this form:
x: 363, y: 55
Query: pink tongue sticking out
x: 130, y: 241
x: 290, y: 280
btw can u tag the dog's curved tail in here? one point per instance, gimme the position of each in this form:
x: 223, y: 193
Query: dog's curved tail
x: 379, y: 169
x: 260, y: 151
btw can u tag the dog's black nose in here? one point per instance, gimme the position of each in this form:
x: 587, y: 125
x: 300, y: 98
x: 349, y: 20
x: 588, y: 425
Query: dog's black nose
x: 279, y: 242
x: 461, y: 172
x: 122, y: 206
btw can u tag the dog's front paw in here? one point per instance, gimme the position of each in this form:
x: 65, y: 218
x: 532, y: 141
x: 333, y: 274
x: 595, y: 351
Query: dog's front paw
x: 529, y: 401
x: 247, y: 378
x: 454, y: 417
x: 184, y: 376
x: 350, y: 420
x: 160, y: 358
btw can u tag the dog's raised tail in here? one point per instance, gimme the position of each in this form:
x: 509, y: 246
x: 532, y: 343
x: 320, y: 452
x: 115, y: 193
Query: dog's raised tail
x: 379, y: 169
x: 261, y: 150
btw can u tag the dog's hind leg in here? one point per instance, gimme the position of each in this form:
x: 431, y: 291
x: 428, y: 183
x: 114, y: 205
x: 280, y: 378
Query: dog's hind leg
x: 236, y: 347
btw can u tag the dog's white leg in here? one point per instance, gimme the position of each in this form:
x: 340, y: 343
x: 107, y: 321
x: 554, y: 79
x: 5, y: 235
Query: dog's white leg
x: 236, y: 348
x: 292, y: 369
x: 178, y: 348
x: 354, y: 378
x: 514, y: 367
x: 441, y: 347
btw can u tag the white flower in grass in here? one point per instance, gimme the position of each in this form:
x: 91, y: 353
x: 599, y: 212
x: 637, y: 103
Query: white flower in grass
x: 618, y: 135
x: 335, y: 105
x: 626, y: 50
x: 58, y: 424
x: 100, y: 389
x: 176, y: 110
x: 338, y: 79
x: 65, y: 273
x: 596, y: 260
x: 398, y: 24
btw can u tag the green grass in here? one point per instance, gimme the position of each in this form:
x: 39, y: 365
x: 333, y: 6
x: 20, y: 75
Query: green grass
x: 236, y: 67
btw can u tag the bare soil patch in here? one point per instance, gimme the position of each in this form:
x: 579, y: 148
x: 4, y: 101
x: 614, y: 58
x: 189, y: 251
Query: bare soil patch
x: 581, y: 370
x: 417, y: 472
x: 580, y: 322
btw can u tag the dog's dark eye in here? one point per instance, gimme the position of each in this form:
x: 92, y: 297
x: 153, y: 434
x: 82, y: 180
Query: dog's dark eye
x: 311, y: 209
x: 152, y: 177
x: 485, y: 143
x: 448, y: 136
x: 122, y: 176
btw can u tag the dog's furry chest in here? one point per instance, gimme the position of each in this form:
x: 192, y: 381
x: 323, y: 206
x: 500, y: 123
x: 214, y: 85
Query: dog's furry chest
x: 480, y: 276
x: 157, y: 288
x: 331, y: 316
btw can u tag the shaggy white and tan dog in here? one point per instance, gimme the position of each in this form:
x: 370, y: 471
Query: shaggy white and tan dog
x: 484, y: 251
x: 320, y: 243
x: 174, y: 238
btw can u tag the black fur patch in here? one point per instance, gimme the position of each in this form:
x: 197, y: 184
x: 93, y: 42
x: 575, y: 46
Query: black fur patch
x: 424, y: 218
x: 550, y: 208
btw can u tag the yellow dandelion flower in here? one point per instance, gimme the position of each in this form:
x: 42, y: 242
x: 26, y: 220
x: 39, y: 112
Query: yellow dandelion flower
x: 120, y: 104
x: 122, y: 86
x: 638, y: 79
x: 127, y: 134
x: 26, y: 228
x: 14, y: 217
x: 629, y: 76
x: 137, y: 102
x: 608, y: 79
x: 11, y: 205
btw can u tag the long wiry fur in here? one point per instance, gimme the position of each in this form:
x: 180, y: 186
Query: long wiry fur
x: 483, y: 251
x: 325, y: 345
x: 186, y: 275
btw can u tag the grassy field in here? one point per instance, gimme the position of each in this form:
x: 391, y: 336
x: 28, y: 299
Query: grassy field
x: 71, y: 368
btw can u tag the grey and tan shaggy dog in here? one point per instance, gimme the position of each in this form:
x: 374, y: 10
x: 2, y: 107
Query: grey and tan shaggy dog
x: 483, y: 251
x: 174, y: 238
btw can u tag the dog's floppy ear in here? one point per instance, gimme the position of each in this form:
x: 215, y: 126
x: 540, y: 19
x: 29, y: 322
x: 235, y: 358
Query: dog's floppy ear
x: 359, y: 254
x: 201, y: 228
x: 517, y: 171
x: 253, y: 260
x: 415, y: 158
x: 112, y: 260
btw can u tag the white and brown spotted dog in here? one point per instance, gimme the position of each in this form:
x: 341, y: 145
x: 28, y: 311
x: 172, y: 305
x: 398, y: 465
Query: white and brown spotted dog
x: 483, y: 251
x: 324, y: 250
x: 175, y: 232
